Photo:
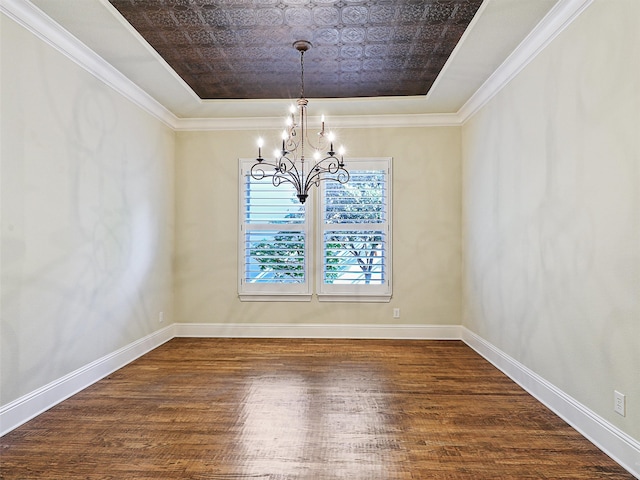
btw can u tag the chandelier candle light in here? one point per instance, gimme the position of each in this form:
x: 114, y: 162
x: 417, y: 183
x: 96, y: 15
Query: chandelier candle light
x: 289, y: 164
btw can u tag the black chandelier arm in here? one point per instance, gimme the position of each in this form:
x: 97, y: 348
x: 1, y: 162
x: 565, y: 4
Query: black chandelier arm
x: 330, y: 164
x: 278, y: 179
x: 257, y: 172
x: 342, y: 176
x: 288, y: 167
x: 284, y: 171
x: 328, y: 169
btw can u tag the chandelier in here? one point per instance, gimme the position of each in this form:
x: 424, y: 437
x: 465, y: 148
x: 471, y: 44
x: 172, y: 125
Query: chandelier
x: 290, y: 164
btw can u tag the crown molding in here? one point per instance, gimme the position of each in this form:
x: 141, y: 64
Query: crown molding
x: 454, y: 52
x: 42, y: 26
x: 554, y: 23
x: 350, y: 121
x: 152, y: 51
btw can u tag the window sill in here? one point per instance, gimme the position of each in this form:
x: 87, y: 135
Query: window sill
x: 332, y: 297
x: 269, y: 297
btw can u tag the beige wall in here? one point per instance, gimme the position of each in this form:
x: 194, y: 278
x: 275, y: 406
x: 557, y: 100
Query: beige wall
x: 87, y: 217
x: 426, y: 230
x: 552, y: 213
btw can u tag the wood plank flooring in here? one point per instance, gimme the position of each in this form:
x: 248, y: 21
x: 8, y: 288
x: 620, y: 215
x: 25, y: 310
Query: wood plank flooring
x: 303, y: 409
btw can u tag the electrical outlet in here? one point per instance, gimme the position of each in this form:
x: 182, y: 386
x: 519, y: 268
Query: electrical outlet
x: 396, y: 313
x: 161, y: 317
x: 619, y: 403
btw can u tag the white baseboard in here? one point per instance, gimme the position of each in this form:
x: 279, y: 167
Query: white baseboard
x: 33, y: 404
x: 611, y: 440
x: 277, y: 330
x: 618, y: 445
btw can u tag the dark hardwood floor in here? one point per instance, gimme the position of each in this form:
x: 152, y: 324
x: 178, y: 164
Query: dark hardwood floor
x: 303, y: 409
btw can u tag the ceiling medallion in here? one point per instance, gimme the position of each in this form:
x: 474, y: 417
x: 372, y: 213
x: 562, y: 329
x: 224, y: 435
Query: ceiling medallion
x: 289, y: 164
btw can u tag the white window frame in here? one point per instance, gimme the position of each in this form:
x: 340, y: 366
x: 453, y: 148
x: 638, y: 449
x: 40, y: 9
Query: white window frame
x: 280, y: 292
x: 356, y: 292
x: 273, y: 291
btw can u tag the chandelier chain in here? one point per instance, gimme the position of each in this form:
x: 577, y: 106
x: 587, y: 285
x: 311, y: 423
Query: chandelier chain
x: 302, y: 74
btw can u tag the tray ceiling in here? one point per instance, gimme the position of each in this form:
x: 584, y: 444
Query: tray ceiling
x: 242, y: 49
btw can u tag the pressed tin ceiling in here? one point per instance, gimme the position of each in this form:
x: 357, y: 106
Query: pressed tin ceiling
x: 242, y: 49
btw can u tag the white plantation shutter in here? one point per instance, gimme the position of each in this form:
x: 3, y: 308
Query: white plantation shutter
x: 273, y: 240
x: 354, y: 261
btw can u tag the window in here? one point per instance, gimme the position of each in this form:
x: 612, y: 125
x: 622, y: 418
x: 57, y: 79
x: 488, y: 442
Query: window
x: 354, y: 262
x: 353, y: 230
x: 274, y: 241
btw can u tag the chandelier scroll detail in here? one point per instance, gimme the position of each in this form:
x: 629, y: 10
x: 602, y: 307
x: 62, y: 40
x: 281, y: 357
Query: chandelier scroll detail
x: 290, y: 164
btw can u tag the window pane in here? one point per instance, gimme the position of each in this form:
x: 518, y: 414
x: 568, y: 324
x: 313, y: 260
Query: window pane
x: 354, y: 257
x: 266, y: 204
x: 274, y: 257
x: 361, y: 200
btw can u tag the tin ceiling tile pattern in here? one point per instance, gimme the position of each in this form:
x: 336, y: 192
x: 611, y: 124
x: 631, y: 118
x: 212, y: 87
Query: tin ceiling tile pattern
x: 242, y: 49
